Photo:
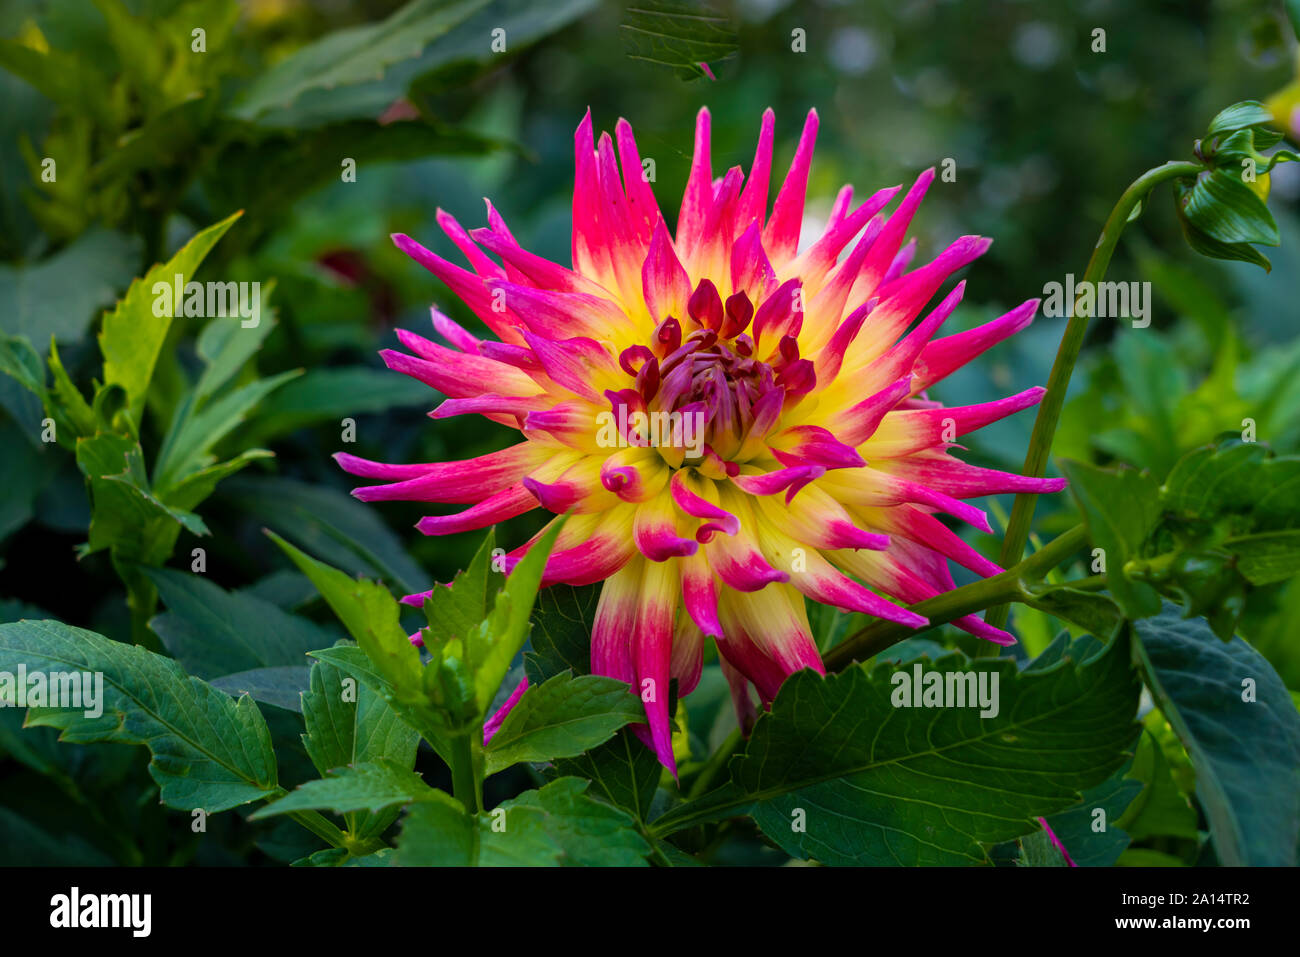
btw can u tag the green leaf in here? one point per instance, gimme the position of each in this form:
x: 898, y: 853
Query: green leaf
x: 1267, y: 558
x: 25, y: 844
x: 209, y: 751
x: 558, y: 824
x: 24, y: 474
x: 350, y: 723
x: 67, y: 79
x: 269, y: 171
x: 1246, y: 752
x: 1242, y: 478
x: 328, y: 395
x: 1120, y: 509
x: 1090, y: 831
x: 449, y: 62
x: 125, y: 514
x: 185, y: 450
x: 677, y: 34
x: 213, y: 632
x: 354, y: 55
x: 132, y: 336
x: 457, y: 610
x: 587, y: 833
x: 623, y: 771
x: 370, y: 615
x: 279, y: 685
x: 371, y: 786
x: 1095, y: 613
x: 1239, y: 116
x: 224, y: 345
x: 329, y: 523
x: 880, y: 784
x: 561, y: 719
x: 386, y: 659
x: 1214, y: 249
x: 1225, y: 209
x: 561, y: 635
x: 506, y: 628
x: 346, y: 728
x: 1160, y: 810
x: 197, y: 486
x: 19, y: 360
x: 57, y: 297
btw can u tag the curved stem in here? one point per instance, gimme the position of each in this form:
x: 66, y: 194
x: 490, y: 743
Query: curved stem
x: 715, y: 764
x: 966, y: 600
x: 1049, y: 411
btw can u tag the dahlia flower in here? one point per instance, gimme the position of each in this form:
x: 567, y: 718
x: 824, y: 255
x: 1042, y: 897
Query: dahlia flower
x: 736, y: 421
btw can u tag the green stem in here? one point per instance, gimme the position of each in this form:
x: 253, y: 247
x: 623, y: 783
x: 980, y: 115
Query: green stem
x: 1058, y: 383
x: 464, y: 782
x: 966, y: 600
x: 717, y: 761
x: 316, y: 822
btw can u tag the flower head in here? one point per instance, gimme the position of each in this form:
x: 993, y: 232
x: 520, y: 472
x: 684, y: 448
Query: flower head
x: 736, y: 421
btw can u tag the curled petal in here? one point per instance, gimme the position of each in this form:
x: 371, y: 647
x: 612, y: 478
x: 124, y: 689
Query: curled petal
x: 505, y: 504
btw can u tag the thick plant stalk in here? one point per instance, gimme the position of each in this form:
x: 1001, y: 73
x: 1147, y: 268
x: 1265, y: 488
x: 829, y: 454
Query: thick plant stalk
x: 1058, y: 383
x: 464, y: 782
x: 944, y: 608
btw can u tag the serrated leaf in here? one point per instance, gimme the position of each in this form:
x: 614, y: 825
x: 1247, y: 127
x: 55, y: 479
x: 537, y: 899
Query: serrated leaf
x: 1266, y: 558
x: 354, y: 55
x: 185, y: 450
x: 213, y: 632
x: 677, y: 34
x: 131, y: 336
x: 370, y: 614
x: 209, y: 751
x: 351, y: 725
x: 125, y: 514
x: 328, y: 523
x: 1160, y: 810
x: 561, y: 719
x: 1242, y: 478
x: 1246, y: 753
x: 39, y: 302
x: 558, y: 824
x: 328, y: 395
x: 224, y: 345
x: 344, y: 729
x: 561, y: 635
x: 908, y: 785
x: 450, y: 61
x: 371, y: 786
x: 622, y: 771
x: 456, y: 610
x: 197, y: 486
x: 506, y: 628
x: 1120, y: 509
x: 1090, y: 832
x: 279, y: 685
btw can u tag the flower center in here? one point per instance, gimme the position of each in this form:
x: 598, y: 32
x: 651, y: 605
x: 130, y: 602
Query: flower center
x: 710, y: 386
